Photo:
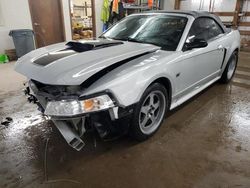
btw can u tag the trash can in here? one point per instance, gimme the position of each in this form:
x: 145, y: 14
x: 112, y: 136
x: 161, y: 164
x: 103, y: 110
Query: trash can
x: 23, y: 40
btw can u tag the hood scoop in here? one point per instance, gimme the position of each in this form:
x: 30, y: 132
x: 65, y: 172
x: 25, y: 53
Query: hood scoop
x: 79, y: 46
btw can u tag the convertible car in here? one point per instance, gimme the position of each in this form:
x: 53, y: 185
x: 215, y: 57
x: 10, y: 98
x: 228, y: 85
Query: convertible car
x: 126, y: 80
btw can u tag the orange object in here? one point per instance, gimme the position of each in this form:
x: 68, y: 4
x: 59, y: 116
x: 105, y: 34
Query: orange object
x: 115, y: 7
x: 89, y: 104
x: 150, y: 3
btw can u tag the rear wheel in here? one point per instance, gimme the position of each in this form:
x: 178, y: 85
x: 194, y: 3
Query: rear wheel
x: 230, y: 68
x: 149, y: 112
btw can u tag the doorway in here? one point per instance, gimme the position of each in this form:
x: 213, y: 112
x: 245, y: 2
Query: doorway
x: 47, y: 21
x: 82, y: 19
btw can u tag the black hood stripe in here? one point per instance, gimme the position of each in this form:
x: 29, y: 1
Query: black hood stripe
x: 72, y: 48
x: 53, y: 56
x: 108, y: 69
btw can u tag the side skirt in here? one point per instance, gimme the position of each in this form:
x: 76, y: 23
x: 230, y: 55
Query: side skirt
x: 192, y: 94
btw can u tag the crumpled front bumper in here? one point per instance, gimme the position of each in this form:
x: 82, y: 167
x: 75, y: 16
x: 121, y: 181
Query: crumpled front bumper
x: 72, y: 135
x: 105, y: 123
x: 113, y: 121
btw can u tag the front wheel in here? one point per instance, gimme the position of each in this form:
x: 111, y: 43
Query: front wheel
x: 149, y: 112
x: 230, y: 68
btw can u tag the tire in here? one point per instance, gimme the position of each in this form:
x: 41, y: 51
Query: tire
x: 149, y: 113
x: 230, y: 68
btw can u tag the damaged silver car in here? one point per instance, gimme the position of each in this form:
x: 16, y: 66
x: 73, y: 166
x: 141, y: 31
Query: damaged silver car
x: 128, y: 78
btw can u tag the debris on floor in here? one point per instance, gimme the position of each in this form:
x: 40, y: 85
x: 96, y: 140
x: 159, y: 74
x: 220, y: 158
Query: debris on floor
x: 7, y: 121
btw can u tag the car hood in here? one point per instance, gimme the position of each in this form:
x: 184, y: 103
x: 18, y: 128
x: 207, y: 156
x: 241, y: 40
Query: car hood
x: 73, y: 63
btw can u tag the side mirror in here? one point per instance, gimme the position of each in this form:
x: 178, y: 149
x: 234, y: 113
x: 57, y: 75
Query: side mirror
x: 196, y: 43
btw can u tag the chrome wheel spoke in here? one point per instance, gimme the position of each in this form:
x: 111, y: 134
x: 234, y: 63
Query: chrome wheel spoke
x: 151, y: 102
x: 231, y: 69
x: 152, y: 118
x: 144, y: 110
x: 145, y: 120
x: 156, y: 105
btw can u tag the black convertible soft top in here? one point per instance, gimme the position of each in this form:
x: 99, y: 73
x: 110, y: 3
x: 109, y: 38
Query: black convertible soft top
x: 195, y: 14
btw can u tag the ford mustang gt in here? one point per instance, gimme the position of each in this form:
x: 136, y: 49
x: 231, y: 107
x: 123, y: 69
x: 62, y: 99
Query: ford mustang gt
x: 126, y: 80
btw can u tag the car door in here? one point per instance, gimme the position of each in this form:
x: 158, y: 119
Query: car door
x: 198, y: 66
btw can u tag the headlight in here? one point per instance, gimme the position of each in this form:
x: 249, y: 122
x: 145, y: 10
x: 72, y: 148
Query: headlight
x: 76, y: 107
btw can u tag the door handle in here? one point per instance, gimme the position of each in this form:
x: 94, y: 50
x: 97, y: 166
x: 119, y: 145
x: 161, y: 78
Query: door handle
x: 36, y: 24
x: 220, y: 47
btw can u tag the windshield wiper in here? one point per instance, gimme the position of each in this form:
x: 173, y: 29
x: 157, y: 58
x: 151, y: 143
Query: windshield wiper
x: 134, y: 40
x: 103, y: 37
x: 140, y: 41
x: 127, y: 39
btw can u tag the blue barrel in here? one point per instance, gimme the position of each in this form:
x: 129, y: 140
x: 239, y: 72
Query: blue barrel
x: 23, y: 40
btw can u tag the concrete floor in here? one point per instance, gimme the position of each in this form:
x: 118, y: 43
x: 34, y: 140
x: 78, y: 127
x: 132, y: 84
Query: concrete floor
x: 204, y: 143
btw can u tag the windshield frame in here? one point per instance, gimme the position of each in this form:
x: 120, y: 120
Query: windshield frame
x: 174, y: 15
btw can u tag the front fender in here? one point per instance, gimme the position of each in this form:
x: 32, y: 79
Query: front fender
x: 129, y: 81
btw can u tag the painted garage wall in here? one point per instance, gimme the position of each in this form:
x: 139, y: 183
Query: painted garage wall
x: 15, y: 14
x: 67, y: 22
x: 219, y: 6
x: 246, y: 8
x: 168, y: 4
x: 19, y: 18
x: 99, y: 24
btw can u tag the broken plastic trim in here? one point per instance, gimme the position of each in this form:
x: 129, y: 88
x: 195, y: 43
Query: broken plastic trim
x: 70, y: 135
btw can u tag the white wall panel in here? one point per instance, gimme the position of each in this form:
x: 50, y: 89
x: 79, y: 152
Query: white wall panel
x: 1, y: 15
x: 15, y: 15
x: 195, y: 5
x: 219, y: 5
x: 227, y: 18
x: 168, y: 4
x: 246, y: 8
x: 66, y: 17
x: 19, y: 18
x: 224, y: 5
x: 99, y: 24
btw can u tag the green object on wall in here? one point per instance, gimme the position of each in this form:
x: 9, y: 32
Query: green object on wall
x: 3, y: 58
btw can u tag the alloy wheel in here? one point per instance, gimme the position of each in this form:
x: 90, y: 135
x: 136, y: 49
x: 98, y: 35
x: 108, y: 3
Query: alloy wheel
x: 152, y: 112
x: 231, y: 68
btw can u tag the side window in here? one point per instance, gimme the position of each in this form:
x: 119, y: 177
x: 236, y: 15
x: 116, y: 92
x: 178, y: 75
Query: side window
x: 214, y: 29
x: 205, y: 28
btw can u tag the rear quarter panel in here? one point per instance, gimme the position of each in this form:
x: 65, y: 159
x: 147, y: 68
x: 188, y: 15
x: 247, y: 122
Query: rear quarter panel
x: 231, y: 43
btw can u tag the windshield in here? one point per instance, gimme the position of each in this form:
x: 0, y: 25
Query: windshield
x: 161, y: 30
